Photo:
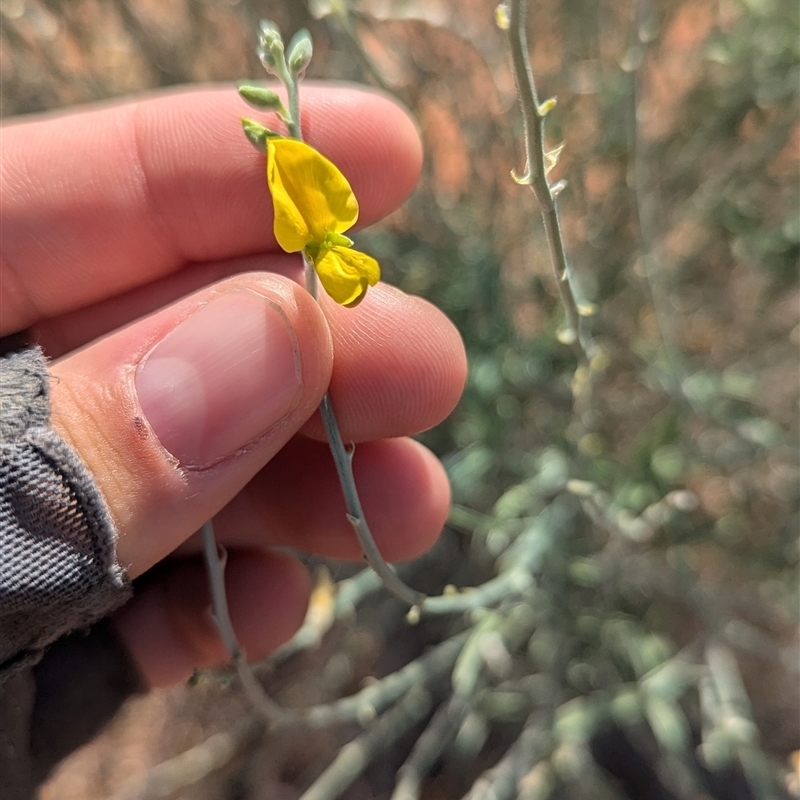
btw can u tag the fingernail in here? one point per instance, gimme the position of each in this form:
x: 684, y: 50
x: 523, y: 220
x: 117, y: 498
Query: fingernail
x: 224, y: 376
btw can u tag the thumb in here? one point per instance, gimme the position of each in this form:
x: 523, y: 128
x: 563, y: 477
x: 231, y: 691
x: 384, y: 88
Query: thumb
x: 176, y: 413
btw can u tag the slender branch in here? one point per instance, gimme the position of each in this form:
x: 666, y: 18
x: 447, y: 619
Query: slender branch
x: 294, y: 123
x: 518, y: 565
x: 216, y: 752
x: 467, y: 518
x: 441, y: 730
x: 343, y: 459
x: 357, y: 755
x: 360, y: 706
x: 510, y: 583
x: 195, y: 764
x: 375, y: 697
x: 533, y: 116
x: 501, y: 782
x: 215, y: 558
x: 355, y: 513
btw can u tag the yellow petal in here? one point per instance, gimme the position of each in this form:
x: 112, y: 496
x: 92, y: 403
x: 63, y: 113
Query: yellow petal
x: 291, y: 230
x: 346, y: 273
x: 310, y: 195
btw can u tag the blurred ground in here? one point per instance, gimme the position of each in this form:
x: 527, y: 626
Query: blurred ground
x: 681, y: 218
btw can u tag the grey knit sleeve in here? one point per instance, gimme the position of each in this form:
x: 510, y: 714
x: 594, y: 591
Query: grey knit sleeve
x: 58, y: 571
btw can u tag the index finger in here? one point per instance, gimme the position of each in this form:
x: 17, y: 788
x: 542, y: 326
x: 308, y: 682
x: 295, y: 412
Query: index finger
x: 98, y: 202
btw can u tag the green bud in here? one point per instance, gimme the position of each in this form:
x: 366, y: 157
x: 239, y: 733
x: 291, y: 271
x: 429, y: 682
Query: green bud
x: 270, y: 49
x: 269, y: 34
x: 261, y: 97
x: 300, y: 52
x: 257, y: 134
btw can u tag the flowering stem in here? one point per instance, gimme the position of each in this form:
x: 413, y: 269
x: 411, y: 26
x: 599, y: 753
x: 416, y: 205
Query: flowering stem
x: 342, y: 457
x: 533, y: 116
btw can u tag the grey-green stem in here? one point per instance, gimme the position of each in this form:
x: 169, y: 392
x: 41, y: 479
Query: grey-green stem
x: 215, y: 558
x: 533, y: 116
x: 342, y: 457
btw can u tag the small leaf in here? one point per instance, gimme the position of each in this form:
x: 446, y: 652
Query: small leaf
x: 522, y: 180
x: 545, y: 108
x: 551, y: 157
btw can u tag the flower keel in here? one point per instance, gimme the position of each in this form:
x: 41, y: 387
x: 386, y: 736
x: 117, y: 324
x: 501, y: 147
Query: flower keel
x: 346, y: 273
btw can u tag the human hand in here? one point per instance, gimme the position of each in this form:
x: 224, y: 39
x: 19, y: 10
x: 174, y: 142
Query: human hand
x: 154, y: 215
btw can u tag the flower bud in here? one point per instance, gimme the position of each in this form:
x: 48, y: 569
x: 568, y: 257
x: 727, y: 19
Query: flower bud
x: 261, y: 97
x: 257, y: 134
x: 270, y: 49
x: 300, y: 51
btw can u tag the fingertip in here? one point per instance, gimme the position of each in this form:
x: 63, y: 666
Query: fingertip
x: 401, y: 366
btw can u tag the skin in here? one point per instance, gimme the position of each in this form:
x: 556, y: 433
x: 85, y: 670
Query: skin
x: 120, y: 222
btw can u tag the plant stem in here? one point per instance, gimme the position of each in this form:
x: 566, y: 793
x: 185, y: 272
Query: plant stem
x: 342, y: 456
x: 533, y: 116
x: 343, y: 459
x: 356, y: 756
x: 215, y: 558
x: 293, y: 124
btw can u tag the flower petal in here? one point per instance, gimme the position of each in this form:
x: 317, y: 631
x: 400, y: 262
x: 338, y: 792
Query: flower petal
x: 310, y: 195
x: 346, y: 273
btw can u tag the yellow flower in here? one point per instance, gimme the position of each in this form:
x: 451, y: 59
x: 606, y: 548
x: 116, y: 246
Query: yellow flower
x: 314, y: 205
